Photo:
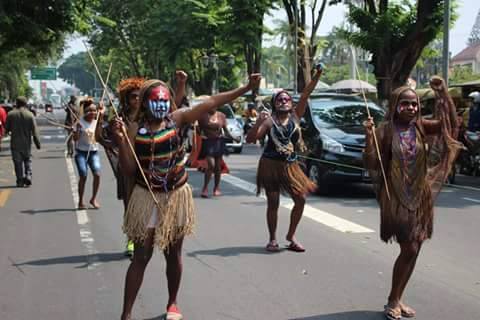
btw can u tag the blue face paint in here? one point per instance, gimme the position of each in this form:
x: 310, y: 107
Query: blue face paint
x: 159, y: 109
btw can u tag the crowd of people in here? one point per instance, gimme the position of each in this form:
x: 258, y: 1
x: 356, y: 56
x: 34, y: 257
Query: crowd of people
x: 408, y: 158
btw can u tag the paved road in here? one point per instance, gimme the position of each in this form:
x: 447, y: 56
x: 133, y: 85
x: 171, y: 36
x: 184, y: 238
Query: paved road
x: 59, y: 263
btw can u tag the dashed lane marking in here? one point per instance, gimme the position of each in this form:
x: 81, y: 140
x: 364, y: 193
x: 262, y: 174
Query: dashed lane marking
x: 59, y: 136
x: 315, y: 214
x: 83, y: 220
x: 4, y: 195
x: 472, y: 200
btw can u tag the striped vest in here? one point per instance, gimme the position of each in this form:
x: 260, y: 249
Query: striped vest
x: 162, y: 158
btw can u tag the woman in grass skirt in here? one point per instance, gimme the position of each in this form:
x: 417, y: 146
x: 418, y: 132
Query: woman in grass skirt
x: 278, y: 169
x: 160, y: 209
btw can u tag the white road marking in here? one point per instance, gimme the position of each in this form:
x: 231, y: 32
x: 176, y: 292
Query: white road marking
x: 463, y: 187
x: 59, y: 136
x: 83, y: 221
x: 470, y: 199
x: 315, y: 214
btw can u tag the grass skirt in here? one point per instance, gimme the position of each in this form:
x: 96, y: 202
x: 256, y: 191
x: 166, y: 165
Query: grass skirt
x: 284, y: 177
x: 175, y: 215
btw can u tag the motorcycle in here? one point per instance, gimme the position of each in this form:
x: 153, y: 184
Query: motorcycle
x: 468, y: 161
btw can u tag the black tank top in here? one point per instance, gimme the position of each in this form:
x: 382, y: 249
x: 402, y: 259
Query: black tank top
x: 284, y: 134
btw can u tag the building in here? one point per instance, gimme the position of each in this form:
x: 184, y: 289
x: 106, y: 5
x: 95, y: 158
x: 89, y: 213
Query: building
x: 468, y: 57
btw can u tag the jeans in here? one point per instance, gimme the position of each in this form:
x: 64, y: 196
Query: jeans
x: 22, y: 160
x: 82, y: 162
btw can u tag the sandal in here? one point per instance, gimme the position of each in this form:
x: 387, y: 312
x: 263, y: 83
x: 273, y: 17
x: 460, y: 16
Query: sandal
x: 173, y: 313
x: 204, y: 194
x: 272, y: 246
x: 392, y: 313
x: 295, y: 247
x: 407, y: 312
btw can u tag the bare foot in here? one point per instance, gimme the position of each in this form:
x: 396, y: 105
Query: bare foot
x: 204, y: 193
x: 95, y: 204
x: 217, y: 193
x: 81, y: 206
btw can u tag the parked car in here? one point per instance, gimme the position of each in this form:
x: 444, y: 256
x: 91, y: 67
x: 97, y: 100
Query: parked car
x: 335, y: 138
x: 235, y: 128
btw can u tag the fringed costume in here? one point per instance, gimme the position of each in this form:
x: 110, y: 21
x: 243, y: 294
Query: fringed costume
x: 162, y: 158
x: 417, y: 163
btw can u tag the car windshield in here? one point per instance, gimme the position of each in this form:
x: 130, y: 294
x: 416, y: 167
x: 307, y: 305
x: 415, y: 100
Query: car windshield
x: 227, y: 111
x: 327, y: 114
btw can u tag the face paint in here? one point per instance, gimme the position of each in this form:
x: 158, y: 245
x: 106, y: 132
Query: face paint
x: 404, y: 106
x: 159, y: 102
x: 283, y: 101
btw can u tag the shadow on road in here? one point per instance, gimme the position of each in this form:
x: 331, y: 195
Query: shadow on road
x: 229, y: 251
x: 9, y: 187
x: 162, y: 317
x: 85, y: 259
x: 349, y: 315
x: 35, y: 211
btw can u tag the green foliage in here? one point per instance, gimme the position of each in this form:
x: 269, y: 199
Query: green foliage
x: 461, y: 74
x: 395, y: 33
x: 77, y: 70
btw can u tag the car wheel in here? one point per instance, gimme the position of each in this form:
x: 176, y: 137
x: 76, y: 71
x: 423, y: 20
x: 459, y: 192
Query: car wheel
x: 315, y: 173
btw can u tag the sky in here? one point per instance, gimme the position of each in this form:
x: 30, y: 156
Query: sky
x: 334, y: 16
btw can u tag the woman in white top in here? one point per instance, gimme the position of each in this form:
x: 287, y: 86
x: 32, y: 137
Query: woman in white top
x: 86, y: 152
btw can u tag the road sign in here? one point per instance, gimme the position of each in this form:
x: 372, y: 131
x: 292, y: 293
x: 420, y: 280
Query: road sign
x: 43, y: 74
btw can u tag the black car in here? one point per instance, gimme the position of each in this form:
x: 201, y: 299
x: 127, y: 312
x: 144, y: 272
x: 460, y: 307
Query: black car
x: 335, y: 138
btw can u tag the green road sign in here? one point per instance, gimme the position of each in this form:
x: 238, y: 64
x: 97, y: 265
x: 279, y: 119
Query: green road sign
x: 43, y: 74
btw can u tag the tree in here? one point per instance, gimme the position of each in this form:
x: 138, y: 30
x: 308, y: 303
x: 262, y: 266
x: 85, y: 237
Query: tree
x: 461, y: 74
x: 475, y: 33
x: 307, y: 46
x: 395, y: 33
x: 77, y: 70
x: 246, y: 23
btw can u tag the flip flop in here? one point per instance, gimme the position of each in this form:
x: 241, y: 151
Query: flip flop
x: 295, y: 247
x: 272, y: 246
x: 392, y: 313
x: 407, y: 312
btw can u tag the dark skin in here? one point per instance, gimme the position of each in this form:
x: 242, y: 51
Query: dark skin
x: 90, y: 115
x: 409, y: 251
x: 214, y: 163
x: 284, y: 107
x: 144, y: 250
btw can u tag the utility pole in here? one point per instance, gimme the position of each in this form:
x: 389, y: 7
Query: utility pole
x: 295, y: 67
x: 446, y: 39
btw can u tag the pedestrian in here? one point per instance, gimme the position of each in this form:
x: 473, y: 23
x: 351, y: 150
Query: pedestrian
x: 474, y: 112
x: 278, y: 169
x: 72, y: 115
x: 417, y: 155
x: 128, y: 90
x: 86, y: 152
x: 3, y: 119
x: 213, y: 128
x: 21, y: 125
x: 160, y: 210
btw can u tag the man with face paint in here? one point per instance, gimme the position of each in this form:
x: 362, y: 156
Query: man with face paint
x: 278, y: 170
x: 86, y: 152
x: 417, y: 155
x: 164, y: 219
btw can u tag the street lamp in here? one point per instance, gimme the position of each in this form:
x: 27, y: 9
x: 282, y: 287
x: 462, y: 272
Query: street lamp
x: 213, y: 61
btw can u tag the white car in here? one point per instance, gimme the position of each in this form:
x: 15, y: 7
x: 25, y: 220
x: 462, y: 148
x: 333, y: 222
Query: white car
x: 235, y: 127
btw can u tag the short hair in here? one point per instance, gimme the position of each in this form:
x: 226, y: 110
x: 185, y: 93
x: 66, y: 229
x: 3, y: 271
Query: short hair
x: 21, y: 101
